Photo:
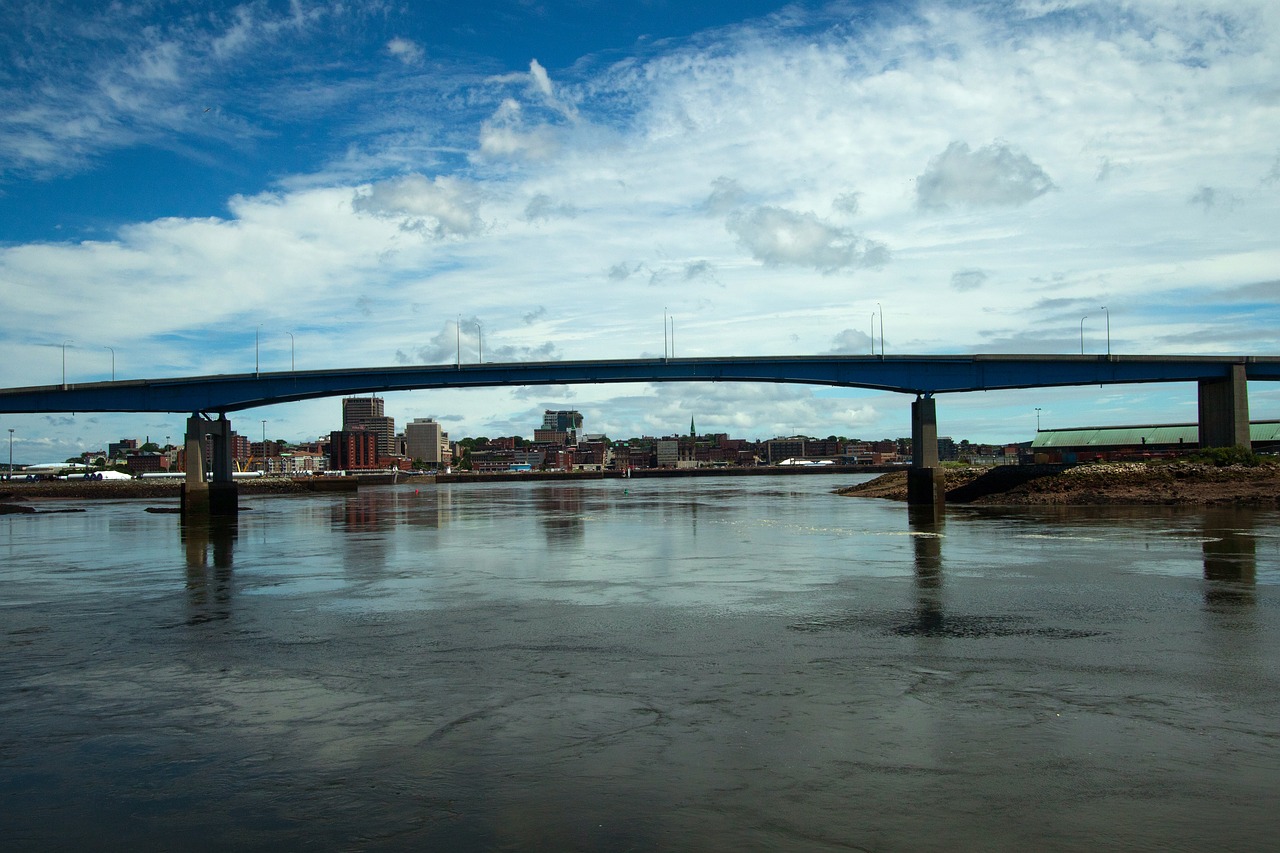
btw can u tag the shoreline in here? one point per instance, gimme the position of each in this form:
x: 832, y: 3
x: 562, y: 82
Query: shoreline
x: 1110, y: 483
x: 1113, y: 483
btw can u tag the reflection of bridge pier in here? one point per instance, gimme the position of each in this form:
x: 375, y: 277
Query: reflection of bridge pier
x: 1230, y: 558
x: 217, y: 495
x: 206, y: 540
x: 926, y: 524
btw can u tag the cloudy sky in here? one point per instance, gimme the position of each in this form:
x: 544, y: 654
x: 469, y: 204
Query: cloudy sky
x: 346, y: 181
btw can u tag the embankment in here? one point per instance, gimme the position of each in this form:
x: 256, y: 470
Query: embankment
x: 1110, y: 483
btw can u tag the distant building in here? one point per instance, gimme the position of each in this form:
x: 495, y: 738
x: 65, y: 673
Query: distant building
x: 668, y: 452
x: 426, y: 439
x: 367, y: 413
x: 147, y: 463
x: 564, y: 420
x: 353, y: 450
x: 121, y: 448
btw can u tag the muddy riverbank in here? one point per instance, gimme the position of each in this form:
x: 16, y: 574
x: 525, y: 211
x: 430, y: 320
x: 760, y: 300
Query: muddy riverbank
x: 1182, y: 483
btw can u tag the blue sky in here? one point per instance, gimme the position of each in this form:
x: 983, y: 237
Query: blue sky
x: 347, y: 180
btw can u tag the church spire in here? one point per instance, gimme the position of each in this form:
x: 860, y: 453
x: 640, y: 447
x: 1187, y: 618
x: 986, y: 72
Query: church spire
x: 693, y: 433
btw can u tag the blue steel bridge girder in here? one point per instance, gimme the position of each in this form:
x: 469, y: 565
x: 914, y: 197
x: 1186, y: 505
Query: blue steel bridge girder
x: 916, y: 375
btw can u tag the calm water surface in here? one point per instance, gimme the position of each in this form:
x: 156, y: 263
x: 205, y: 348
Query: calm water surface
x: 721, y: 664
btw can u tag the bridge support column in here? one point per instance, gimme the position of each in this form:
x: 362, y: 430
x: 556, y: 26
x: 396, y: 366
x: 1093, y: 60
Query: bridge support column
x: 217, y: 496
x: 1224, y: 410
x: 925, y: 483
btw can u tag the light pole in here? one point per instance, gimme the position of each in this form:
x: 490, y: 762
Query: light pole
x: 480, y: 341
x: 457, y: 328
x: 666, y: 346
x: 1104, y: 308
x: 1037, y: 418
x: 256, y: 334
x: 64, y: 363
x: 873, y: 333
x: 113, y: 364
x: 9, y: 475
x: 1082, y: 319
x: 264, y: 448
x: 290, y: 334
x: 881, y: 310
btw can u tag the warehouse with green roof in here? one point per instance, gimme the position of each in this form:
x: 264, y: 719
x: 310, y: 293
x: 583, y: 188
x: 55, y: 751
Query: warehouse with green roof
x: 1119, y: 443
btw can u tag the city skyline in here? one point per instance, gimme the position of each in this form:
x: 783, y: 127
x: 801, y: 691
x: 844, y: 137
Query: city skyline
x: 242, y: 188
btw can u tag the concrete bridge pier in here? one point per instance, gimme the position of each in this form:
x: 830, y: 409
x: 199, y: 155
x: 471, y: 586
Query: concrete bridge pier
x: 1224, y: 410
x: 926, y: 485
x: 217, y: 495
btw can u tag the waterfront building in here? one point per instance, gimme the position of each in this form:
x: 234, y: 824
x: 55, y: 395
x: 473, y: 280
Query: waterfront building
x: 351, y: 450
x: 426, y: 439
x: 368, y: 414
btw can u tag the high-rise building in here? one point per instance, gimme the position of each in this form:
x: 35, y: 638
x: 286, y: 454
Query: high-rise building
x: 357, y: 408
x: 568, y: 421
x: 366, y: 413
x: 351, y: 450
x: 425, y: 439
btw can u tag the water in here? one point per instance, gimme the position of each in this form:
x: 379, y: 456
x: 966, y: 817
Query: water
x: 726, y: 664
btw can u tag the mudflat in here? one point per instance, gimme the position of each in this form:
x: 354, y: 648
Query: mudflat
x: 1178, y: 483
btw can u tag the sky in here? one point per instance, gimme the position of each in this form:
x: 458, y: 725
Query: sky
x: 194, y: 188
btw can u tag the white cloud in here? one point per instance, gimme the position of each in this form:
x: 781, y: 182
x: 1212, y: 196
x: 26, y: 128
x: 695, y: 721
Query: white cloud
x: 993, y: 176
x: 438, y: 207
x: 405, y: 50
x: 968, y: 279
x: 779, y: 237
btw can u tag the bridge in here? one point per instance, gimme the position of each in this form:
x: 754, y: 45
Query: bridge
x: 1221, y: 380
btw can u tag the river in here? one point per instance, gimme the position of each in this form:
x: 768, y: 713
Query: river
x: 686, y: 665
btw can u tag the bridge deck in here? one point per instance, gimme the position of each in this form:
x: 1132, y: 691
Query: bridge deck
x: 926, y: 375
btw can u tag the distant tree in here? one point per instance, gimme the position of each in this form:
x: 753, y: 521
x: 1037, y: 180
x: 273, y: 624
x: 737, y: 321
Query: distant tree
x: 149, y: 447
x: 75, y: 460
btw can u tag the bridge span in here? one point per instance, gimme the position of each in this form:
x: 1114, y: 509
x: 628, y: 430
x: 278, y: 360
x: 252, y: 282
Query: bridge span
x: 1221, y: 380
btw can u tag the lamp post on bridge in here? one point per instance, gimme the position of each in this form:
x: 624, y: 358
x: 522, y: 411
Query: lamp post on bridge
x: 9, y: 473
x: 1104, y: 308
x: 1082, y: 319
x: 1037, y: 418
x: 113, y: 363
x: 291, y: 367
x: 881, y: 310
x: 480, y: 342
x: 873, y: 333
x: 64, y: 363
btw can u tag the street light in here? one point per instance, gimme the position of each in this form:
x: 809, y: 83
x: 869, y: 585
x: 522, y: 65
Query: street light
x: 290, y: 334
x: 480, y: 341
x: 113, y: 364
x: 1082, y: 319
x: 1104, y: 308
x: 881, y: 310
x: 264, y: 448
x: 64, y: 363
x: 1037, y: 418
x: 10, y: 475
x: 256, y: 334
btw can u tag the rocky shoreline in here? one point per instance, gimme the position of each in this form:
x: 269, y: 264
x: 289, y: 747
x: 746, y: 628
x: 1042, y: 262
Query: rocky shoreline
x: 1177, y: 483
